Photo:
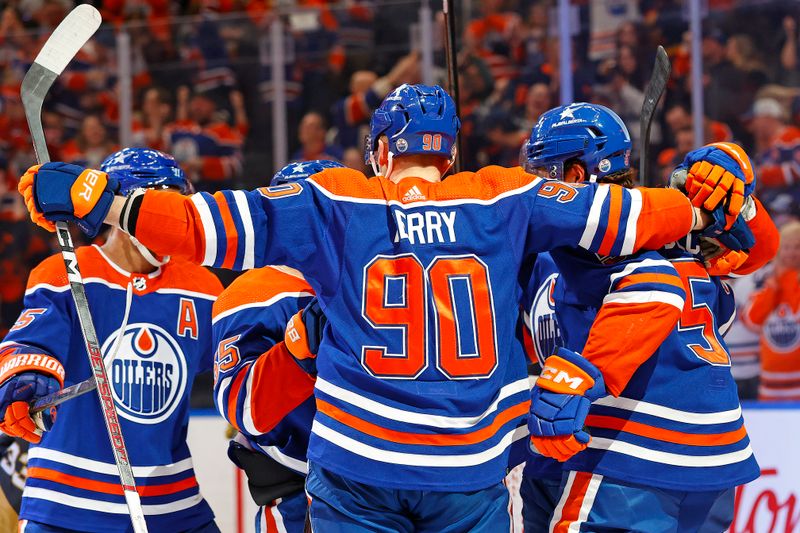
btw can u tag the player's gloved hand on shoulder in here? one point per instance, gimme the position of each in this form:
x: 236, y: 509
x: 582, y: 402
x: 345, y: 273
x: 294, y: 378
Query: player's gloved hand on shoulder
x: 720, y: 176
x: 560, y: 402
x: 26, y: 376
x: 304, y: 335
x: 56, y: 192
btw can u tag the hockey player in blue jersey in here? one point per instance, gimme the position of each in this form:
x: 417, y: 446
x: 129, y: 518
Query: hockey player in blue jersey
x: 72, y: 482
x: 421, y: 385
x: 260, y: 389
x: 657, y: 459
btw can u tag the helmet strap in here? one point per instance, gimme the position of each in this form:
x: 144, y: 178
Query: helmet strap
x: 147, y: 254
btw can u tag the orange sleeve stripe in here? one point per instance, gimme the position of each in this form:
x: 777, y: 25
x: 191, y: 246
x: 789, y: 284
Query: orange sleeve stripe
x: 614, y: 215
x: 666, y: 435
x: 257, y: 286
x: 279, y: 386
x: 55, y: 476
x: 231, y: 235
x: 402, y: 437
x: 624, y: 336
x: 571, y: 511
x: 666, y: 216
x: 664, y: 279
x: 169, y: 224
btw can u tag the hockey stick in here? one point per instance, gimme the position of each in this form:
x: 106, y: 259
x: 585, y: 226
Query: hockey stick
x: 652, y: 94
x: 73, y: 32
x: 451, y: 56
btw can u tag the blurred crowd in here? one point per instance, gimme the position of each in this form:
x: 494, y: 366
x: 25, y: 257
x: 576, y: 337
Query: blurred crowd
x: 202, y: 88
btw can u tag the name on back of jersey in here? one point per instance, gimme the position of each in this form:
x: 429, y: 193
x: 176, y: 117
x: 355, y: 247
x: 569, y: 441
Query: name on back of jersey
x: 425, y: 227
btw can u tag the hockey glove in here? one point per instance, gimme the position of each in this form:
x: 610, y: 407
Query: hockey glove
x: 304, y: 334
x: 560, y: 402
x: 720, y: 177
x: 720, y: 261
x: 738, y: 236
x: 26, y: 376
x: 61, y: 192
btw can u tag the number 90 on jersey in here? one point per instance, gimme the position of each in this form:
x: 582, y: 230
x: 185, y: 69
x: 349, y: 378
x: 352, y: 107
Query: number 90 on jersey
x: 445, y: 308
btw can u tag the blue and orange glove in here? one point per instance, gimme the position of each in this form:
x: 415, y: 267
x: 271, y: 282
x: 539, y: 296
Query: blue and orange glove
x: 720, y: 177
x: 56, y: 192
x: 304, y: 335
x: 560, y: 402
x: 26, y: 376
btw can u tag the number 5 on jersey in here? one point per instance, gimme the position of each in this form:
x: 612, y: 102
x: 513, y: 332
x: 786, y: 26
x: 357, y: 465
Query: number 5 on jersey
x: 396, y: 294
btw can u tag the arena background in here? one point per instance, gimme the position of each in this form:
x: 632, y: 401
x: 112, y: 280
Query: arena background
x: 235, y: 89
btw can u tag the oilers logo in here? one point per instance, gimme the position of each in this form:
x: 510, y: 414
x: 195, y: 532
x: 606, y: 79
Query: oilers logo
x: 782, y: 329
x: 148, y: 374
x: 546, y: 334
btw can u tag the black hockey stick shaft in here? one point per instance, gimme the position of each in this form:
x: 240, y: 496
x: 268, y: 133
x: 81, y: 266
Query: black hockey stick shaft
x: 652, y: 94
x: 451, y: 57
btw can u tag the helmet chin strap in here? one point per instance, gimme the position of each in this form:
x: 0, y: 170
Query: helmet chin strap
x: 376, y: 168
x: 148, y: 255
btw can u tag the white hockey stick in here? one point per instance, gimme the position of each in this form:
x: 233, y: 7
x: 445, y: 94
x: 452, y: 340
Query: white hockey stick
x: 73, y: 32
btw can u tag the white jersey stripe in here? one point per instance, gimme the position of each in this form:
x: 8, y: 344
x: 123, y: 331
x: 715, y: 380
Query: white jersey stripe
x: 401, y: 415
x: 667, y: 458
x: 265, y: 303
x: 594, y: 217
x: 428, y: 203
x: 108, y: 507
x: 417, y: 459
x: 114, y: 286
x: 644, y: 297
x: 277, y: 516
x: 247, y: 414
x: 686, y: 417
x: 248, y: 261
x: 766, y: 391
x: 209, y: 230
x: 99, y: 467
x: 558, y: 512
x: 223, y: 387
x: 780, y: 375
x: 587, y: 503
x: 723, y: 329
x: 633, y: 218
x: 645, y: 263
x: 285, y: 460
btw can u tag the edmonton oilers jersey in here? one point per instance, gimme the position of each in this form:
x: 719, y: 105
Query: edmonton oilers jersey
x: 422, y: 382
x: 269, y: 399
x: 72, y: 478
x: 677, y: 423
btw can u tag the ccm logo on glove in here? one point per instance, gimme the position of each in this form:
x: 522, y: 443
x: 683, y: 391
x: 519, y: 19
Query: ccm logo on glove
x: 86, y: 191
x: 561, y: 376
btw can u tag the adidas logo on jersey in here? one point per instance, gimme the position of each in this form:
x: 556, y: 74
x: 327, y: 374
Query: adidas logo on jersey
x: 413, y: 194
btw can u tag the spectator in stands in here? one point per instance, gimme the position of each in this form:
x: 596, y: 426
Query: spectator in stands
x: 669, y: 158
x: 149, y: 123
x: 678, y: 116
x: 789, y: 71
x: 351, y: 114
x: 208, y: 148
x: 742, y: 53
x: 91, y: 146
x: 777, y: 144
x: 775, y: 307
x: 722, y: 81
x: 312, y: 135
x: 354, y: 158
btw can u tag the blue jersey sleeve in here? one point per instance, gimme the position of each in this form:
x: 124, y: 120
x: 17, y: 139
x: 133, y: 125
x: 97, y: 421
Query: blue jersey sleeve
x: 46, y: 323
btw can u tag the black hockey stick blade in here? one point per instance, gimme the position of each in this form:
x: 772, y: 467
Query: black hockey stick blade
x: 652, y: 94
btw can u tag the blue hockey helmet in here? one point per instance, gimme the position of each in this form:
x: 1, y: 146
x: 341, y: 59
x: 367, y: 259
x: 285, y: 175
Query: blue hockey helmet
x: 417, y: 119
x: 590, y: 133
x: 145, y: 167
x: 301, y: 170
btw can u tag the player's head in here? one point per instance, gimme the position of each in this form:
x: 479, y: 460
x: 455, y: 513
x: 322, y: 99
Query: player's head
x: 135, y: 168
x: 301, y: 170
x: 412, y: 120
x: 587, y: 135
